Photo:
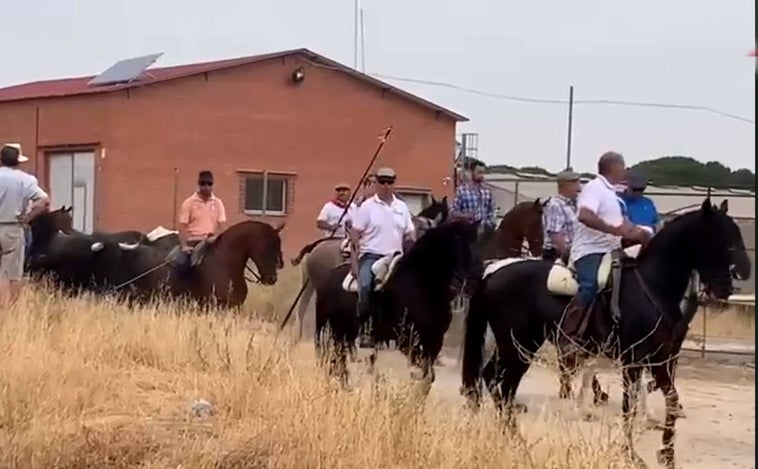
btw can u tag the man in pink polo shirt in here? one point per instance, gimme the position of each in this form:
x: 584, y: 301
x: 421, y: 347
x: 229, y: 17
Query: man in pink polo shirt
x: 201, y: 218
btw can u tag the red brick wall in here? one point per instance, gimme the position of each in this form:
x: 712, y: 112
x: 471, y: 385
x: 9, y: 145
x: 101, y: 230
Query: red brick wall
x: 251, y: 118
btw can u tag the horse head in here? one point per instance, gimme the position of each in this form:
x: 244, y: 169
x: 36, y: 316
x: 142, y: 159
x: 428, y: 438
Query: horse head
x: 522, y: 222
x: 711, y: 241
x: 63, y: 220
x: 260, y: 242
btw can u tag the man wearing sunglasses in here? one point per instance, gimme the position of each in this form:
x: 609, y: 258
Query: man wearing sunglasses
x: 640, y: 209
x: 380, y: 225
x: 201, y: 218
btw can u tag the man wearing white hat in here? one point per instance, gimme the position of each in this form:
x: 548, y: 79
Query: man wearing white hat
x: 380, y: 225
x: 17, y: 190
x: 335, y: 215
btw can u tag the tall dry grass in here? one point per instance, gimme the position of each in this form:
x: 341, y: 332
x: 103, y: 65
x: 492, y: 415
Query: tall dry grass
x: 92, y: 384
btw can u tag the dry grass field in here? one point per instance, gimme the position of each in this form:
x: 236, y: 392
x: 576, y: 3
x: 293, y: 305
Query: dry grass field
x: 91, y: 384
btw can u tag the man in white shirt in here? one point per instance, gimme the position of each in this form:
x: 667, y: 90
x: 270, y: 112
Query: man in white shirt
x: 17, y: 190
x: 331, y: 219
x: 600, y: 228
x: 380, y: 225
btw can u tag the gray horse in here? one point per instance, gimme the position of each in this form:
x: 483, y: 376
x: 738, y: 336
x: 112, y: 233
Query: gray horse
x: 327, y: 253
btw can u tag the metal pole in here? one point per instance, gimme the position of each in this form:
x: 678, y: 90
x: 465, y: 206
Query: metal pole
x: 355, y: 35
x: 705, y: 330
x: 570, y: 125
x: 363, y: 46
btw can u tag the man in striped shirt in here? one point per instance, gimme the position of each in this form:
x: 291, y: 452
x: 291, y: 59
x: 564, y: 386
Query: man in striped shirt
x: 559, y: 217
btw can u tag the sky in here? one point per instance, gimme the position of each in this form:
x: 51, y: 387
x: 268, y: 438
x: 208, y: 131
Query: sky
x: 691, y: 52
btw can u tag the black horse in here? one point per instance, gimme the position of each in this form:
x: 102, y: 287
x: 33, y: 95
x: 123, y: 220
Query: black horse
x: 414, y: 306
x: 650, y: 326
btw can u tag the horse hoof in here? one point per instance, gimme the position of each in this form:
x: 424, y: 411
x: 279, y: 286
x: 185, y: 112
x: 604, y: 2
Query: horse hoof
x: 666, y: 457
x: 417, y: 373
x: 519, y: 408
x: 679, y: 413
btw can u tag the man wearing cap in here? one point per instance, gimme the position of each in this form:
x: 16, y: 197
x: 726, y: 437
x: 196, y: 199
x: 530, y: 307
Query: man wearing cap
x: 559, y: 217
x: 336, y: 214
x: 380, y: 225
x: 201, y: 218
x: 640, y: 209
x: 474, y: 202
x: 599, y: 229
x: 17, y: 190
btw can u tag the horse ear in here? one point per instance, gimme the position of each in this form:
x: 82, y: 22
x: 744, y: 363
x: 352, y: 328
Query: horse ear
x: 724, y: 207
x: 444, y: 200
x: 280, y: 227
x: 706, y: 207
x: 434, y: 201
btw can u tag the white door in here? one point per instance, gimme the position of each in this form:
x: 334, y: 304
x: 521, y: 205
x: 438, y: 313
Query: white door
x: 72, y: 183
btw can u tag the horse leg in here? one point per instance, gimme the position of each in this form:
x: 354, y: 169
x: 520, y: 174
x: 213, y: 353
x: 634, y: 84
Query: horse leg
x: 631, y: 375
x: 600, y: 397
x: 662, y: 375
x: 566, y: 368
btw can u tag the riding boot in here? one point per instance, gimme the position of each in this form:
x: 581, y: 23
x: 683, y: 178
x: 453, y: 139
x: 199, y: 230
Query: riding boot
x: 365, y: 337
x: 569, y: 335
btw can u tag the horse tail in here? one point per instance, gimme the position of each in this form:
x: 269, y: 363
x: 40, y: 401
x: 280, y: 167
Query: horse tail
x: 307, y: 250
x: 473, y: 342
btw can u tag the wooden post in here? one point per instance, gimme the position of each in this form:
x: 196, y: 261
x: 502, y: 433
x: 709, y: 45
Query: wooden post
x: 705, y: 331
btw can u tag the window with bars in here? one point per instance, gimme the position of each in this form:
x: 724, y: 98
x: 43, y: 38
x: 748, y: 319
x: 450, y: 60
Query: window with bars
x: 264, y: 193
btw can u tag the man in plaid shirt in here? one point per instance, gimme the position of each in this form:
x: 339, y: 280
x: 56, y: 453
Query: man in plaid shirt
x: 474, y: 202
x: 559, y: 217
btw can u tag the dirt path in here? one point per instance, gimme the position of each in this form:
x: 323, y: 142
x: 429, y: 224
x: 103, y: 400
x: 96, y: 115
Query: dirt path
x: 719, y: 431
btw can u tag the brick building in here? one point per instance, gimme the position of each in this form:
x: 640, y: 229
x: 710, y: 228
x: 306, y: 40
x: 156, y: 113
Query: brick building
x: 126, y: 155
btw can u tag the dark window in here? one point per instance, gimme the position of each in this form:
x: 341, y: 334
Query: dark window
x: 265, y: 194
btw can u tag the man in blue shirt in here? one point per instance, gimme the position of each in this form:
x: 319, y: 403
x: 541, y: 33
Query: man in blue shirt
x: 640, y: 209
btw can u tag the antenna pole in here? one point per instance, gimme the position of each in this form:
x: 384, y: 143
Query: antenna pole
x: 363, y: 46
x: 355, y: 34
x: 570, y: 125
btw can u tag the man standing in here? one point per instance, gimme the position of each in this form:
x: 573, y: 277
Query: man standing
x: 17, y: 190
x: 599, y: 231
x: 380, y: 225
x: 473, y: 201
x: 639, y: 208
x: 559, y: 217
x: 201, y: 218
x: 333, y: 216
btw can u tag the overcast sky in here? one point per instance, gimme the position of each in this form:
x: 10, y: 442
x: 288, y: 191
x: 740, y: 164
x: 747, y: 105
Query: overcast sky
x: 673, y: 51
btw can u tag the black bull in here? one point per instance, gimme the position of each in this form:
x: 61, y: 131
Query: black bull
x: 99, y: 263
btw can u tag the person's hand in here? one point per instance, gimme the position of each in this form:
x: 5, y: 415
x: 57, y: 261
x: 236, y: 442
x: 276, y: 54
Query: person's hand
x: 211, y: 239
x: 186, y: 249
x: 23, y: 219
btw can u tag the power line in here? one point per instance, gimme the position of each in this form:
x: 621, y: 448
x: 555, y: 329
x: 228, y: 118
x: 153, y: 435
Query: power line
x: 611, y: 102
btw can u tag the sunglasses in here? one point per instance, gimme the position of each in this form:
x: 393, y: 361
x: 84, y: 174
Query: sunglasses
x: 386, y: 181
x: 205, y: 183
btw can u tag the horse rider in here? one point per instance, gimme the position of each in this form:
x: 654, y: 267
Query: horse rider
x: 19, y: 191
x: 473, y: 201
x: 335, y: 215
x: 201, y: 219
x: 600, y: 228
x: 640, y: 209
x: 559, y: 217
x: 380, y: 225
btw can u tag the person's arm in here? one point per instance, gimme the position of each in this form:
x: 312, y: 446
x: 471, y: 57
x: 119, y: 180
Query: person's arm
x: 554, y: 227
x: 221, y: 216
x: 39, y: 200
x: 588, y: 204
x: 184, y: 219
x: 410, y: 229
x: 656, y: 217
x: 360, y: 224
x: 490, y: 212
x: 459, y: 205
x: 321, y: 219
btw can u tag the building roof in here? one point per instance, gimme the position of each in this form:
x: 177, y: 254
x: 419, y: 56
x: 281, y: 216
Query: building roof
x: 669, y: 200
x: 78, y: 86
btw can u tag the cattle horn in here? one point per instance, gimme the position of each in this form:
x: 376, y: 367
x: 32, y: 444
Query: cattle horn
x: 97, y: 246
x: 280, y: 227
x: 128, y: 247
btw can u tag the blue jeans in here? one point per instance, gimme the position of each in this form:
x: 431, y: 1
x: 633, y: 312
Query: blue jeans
x: 27, y: 241
x: 586, y: 272
x: 366, y: 276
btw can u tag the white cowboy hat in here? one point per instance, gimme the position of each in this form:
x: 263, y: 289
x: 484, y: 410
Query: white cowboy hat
x: 21, y: 157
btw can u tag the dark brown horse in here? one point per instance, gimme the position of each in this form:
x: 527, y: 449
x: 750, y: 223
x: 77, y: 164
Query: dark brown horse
x: 219, y: 278
x: 522, y: 223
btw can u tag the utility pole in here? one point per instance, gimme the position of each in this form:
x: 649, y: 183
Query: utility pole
x: 355, y: 35
x: 363, y: 46
x: 570, y: 125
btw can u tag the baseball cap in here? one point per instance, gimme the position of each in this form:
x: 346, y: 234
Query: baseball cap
x: 21, y: 157
x: 636, y: 180
x: 341, y: 186
x: 567, y: 176
x: 385, y: 172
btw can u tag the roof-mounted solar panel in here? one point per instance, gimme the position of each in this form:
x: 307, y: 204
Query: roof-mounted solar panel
x: 125, y: 71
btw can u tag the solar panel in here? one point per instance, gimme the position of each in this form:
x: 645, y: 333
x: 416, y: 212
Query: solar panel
x: 125, y: 71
